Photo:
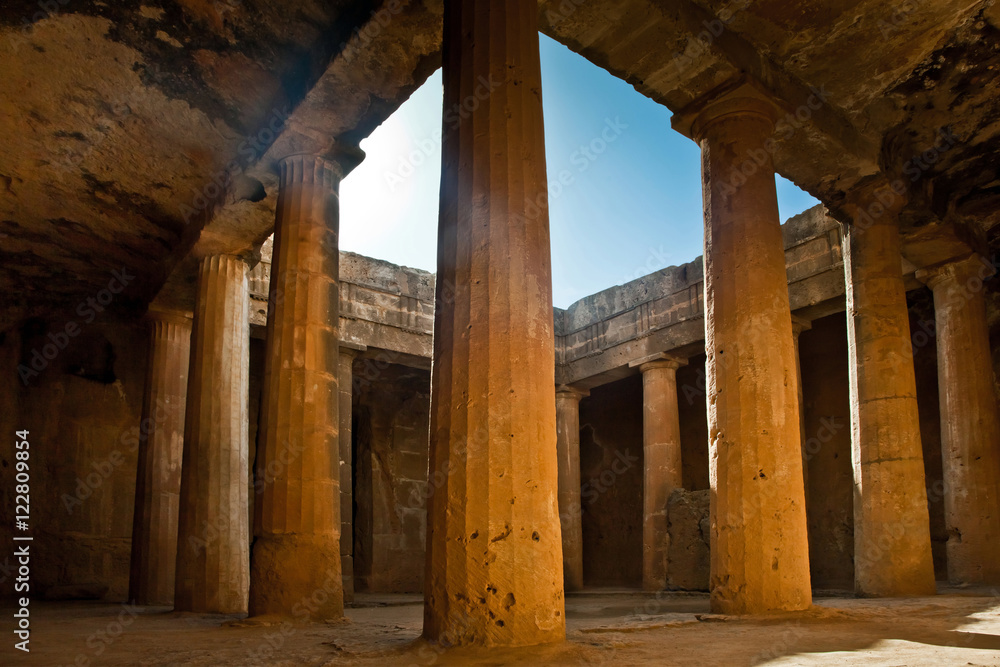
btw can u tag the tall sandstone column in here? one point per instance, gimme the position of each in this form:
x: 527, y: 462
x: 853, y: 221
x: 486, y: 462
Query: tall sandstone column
x: 570, y: 509
x: 892, y: 543
x: 296, y: 550
x: 158, y: 476
x: 494, y: 565
x: 661, y: 461
x: 213, y: 540
x: 759, y: 550
x: 970, y: 424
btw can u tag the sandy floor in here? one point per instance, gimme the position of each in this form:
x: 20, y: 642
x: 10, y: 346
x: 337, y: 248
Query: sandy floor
x: 604, y: 628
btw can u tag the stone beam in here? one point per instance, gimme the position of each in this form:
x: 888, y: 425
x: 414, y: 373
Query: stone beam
x: 600, y: 335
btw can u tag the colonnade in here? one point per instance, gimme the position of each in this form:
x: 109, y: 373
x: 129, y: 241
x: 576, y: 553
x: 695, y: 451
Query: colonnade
x: 509, y: 442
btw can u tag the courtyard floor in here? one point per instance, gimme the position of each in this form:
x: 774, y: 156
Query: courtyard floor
x: 604, y: 627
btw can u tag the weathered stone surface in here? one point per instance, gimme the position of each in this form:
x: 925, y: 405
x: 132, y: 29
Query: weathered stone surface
x: 970, y: 427
x: 689, y: 529
x: 131, y: 117
x: 826, y: 449
x: 493, y: 417
x: 297, y: 515
x: 391, y: 482
x: 611, y: 475
x: 570, y: 509
x: 158, y: 476
x: 599, y: 335
x: 213, y: 540
x: 892, y: 548
x: 661, y: 462
x: 760, y: 556
x: 234, y: 85
x: 83, y: 414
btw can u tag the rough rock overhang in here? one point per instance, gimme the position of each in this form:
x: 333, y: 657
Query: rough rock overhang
x: 141, y: 136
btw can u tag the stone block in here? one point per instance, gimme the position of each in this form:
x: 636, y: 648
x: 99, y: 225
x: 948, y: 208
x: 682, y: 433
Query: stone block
x: 688, y: 541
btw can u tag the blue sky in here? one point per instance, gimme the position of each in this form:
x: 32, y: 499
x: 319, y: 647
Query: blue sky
x: 632, y: 206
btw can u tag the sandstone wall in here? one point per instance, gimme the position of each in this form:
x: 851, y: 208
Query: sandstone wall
x: 827, y: 445
x: 688, y: 553
x: 83, y: 413
x: 611, y: 479
x: 391, y: 422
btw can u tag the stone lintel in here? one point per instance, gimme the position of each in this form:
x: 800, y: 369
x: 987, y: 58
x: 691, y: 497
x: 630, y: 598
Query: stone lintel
x: 352, y: 347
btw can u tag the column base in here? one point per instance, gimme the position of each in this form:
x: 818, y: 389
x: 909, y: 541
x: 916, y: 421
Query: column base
x: 296, y: 577
x: 971, y: 566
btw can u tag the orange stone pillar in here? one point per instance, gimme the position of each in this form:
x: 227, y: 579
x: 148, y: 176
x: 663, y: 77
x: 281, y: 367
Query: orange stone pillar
x: 296, y: 563
x: 213, y: 540
x: 661, y: 459
x: 892, y: 542
x: 570, y: 509
x: 158, y: 476
x: 970, y: 424
x: 494, y: 562
x: 759, y: 548
x: 346, y: 382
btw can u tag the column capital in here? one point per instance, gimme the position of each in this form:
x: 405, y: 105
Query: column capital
x: 961, y: 269
x: 159, y: 314
x: 740, y: 96
x: 874, y: 198
x: 800, y: 324
x: 338, y: 161
x: 658, y: 360
x: 351, y: 349
x: 568, y: 391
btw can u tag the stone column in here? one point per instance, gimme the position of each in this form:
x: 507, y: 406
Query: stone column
x: 213, y: 540
x: 348, y: 352
x: 158, y: 476
x: 296, y: 567
x: 970, y: 424
x: 892, y: 542
x: 798, y: 326
x: 759, y: 549
x: 661, y: 461
x: 570, y: 509
x: 494, y: 563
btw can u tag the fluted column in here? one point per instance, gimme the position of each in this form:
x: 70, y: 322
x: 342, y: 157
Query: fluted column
x: 759, y: 549
x: 570, y: 509
x: 346, y: 381
x: 892, y: 542
x: 213, y: 536
x: 661, y: 462
x: 494, y: 566
x: 970, y: 424
x: 158, y: 476
x: 297, y: 518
